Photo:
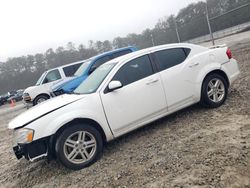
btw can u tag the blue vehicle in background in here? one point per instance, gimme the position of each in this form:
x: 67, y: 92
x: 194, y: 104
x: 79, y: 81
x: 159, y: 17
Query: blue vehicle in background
x: 87, y: 68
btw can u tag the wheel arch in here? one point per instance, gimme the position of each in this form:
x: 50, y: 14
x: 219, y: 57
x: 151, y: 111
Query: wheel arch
x: 42, y: 94
x: 203, y: 75
x: 219, y: 72
x: 203, y: 99
x: 77, y: 121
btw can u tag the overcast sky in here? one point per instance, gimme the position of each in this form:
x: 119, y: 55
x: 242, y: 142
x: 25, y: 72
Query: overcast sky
x: 33, y: 26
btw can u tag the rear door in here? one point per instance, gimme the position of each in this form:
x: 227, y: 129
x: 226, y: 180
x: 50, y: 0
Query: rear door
x: 172, y: 65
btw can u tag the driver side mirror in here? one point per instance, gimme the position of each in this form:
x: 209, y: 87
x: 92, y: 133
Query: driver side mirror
x: 113, y: 85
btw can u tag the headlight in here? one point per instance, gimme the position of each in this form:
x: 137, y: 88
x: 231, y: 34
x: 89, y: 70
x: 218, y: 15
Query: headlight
x: 26, y: 97
x: 23, y: 136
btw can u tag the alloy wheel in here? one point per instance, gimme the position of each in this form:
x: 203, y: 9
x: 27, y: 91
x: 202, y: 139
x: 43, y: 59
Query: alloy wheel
x: 80, y: 147
x: 216, y: 90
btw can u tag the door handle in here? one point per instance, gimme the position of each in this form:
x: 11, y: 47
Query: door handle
x: 152, y: 81
x: 193, y: 65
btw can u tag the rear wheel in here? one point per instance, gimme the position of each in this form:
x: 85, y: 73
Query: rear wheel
x: 79, y: 146
x: 214, y: 91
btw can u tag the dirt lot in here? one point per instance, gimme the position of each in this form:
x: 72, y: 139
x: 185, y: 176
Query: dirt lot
x: 196, y: 147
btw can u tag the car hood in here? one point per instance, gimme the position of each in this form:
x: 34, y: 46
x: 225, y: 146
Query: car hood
x: 42, y: 109
x: 29, y: 89
x: 62, y: 83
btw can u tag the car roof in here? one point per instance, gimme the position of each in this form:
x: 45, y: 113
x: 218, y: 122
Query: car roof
x: 151, y: 49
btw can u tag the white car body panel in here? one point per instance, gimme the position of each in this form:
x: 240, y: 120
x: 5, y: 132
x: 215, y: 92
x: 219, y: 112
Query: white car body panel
x: 147, y: 94
x: 136, y: 104
x: 229, y: 68
x: 55, y: 120
x: 42, y: 109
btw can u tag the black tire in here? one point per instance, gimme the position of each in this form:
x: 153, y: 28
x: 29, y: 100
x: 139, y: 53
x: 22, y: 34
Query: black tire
x: 205, y: 100
x: 60, y: 146
x: 36, y: 100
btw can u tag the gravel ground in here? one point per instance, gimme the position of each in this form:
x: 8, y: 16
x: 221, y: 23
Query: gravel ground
x: 195, y: 147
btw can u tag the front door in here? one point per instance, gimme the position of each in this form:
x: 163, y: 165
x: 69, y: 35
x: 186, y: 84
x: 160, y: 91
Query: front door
x: 140, y: 100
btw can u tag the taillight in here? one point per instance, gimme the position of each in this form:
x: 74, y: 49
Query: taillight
x: 229, y: 54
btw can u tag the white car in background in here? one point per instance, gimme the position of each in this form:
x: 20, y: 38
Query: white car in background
x: 120, y: 96
x: 41, y: 91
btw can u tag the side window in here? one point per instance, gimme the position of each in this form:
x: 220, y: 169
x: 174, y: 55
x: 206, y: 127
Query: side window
x: 134, y: 70
x: 70, y: 70
x: 52, y: 76
x: 187, y: 51
x: 101, y: 61
x: 118, y: 54
x: 170, y: 57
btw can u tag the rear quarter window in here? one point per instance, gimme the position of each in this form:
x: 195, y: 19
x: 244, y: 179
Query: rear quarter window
x: 187, y: 51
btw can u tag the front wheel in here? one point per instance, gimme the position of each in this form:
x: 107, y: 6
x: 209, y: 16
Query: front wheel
x: 40, y: 99
x: 79, y: 146
x: 214, y: 91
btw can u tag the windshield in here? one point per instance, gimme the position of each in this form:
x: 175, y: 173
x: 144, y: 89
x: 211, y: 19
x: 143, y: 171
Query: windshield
x: 91, y: 84
x: 83, y: 68
x: 39, y: 81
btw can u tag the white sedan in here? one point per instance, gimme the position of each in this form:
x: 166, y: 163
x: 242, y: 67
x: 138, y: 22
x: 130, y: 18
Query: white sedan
x: 120, y: 96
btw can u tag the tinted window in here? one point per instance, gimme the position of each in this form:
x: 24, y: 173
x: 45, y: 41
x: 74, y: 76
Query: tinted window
x: 187, y: 51
x: 52, y: 76
x: 169, y: 58
x: 101, y: 61
x: 70, y: 70
x: 124, y: 52
x: 134, y: 70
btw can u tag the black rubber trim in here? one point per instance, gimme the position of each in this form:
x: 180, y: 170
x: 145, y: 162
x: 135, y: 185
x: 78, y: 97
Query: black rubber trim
x: 45, y: 114
x: 154, y: 62
x: 186, y: 51
x: 33, y: 149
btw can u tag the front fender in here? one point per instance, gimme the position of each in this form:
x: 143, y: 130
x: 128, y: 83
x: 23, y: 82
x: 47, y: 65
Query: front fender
x: 58, y: 122
x: 36, y: 90
x: 89, y: 107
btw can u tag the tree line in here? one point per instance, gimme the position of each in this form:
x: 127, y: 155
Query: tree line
x: 21, y: 72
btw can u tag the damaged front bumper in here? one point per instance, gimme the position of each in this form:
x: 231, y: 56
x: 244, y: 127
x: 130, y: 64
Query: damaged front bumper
x: 33, y: 151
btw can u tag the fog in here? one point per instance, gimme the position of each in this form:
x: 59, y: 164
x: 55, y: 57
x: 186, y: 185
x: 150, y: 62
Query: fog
x: 29, y: 26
